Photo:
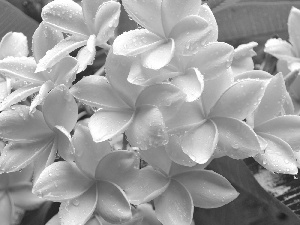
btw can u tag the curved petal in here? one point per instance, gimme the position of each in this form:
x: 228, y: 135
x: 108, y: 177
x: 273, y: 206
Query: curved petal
x: 239, y: 100
x: 86, y: 55
x: 147, y: 128
x: 4, y: 182
x: 200, y: 142
x: 21, y: 68
x: 118, y: 167
x: 146, y: 13
x: 159, y: 56
x: 44, y: 39
x: 89, y: 10
x: 175, y: 206
x: 294, y: 33
x: 107, y: 123
x: 207, y: 188
x: 41, y: 96
x: 97, y: 92
x: 64, y: 71
x: 19, y: 95
x: 191, y: 83
x: 22, y: 177
x: 175, y: 152
x: 236, y: 138
x: 6, y: 209
x: 87, y: 152
x: 16, y: 156
x: 59, y: 51
x: 190, y: 34
x: 61, y: 181
x: 60, y: 108
x: 18, y: 125
x: 22, y: 197
x: 64, y: 144
x: 285, y: 128
x: 112, y: 203
x: 66, y: 16
x: 79, y: 210
x: 106, y: 21
x: 174, y: 11
x: 278, y: 157
x: 272, y: 102
x: 135, y: 42
x: 212, y: 59
x: 13, y: 44
x: 280, y: 49
x: 148, y: 185
x: 206, y: 13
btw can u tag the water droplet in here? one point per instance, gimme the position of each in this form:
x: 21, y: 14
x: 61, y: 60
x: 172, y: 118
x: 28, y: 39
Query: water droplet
x: 75, y: 202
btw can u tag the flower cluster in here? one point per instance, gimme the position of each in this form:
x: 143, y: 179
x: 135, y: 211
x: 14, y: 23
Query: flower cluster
x: 178, y: 97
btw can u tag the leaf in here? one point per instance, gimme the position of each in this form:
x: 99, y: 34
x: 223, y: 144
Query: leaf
x: 244, y: 20
x: 253, y: 206
x: 12, y: 19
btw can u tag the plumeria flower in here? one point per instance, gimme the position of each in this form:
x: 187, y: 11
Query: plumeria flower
x: 171, y: 27
x: 187, y: 72
x: 91, y: 25
x: 23, y: 68
x: 127, y: 107
x: 16, y: 195
x: 288, y: 54
x: 180, y: 188
x: 93, y: 185
x: 12, y: 44
x: 198, y: 124
x: 38, y: 137
x: 278, y: 133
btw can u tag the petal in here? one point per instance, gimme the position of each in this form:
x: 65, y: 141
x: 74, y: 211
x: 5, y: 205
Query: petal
x: 21, y: 68
x: 106, y: 21
x: 16, y: 156
x: 175, y: 11
x: 87, y: 152
x: 147, y: 14
x: 117, y: 69
x: 148, y: 185
x: 6, y: 209
x: 167, y: 97
x: 4, y: 182
x: 95, y: 91
x: 179, y: 169
x: 118, y: 167
x: 175, y: 205
x: 206, y: 13
x: 4, y: 88
x: 239, y: 100
x: 147, y: 128
x: 61, y: 181
x: 280, y: 49
x: 190, y: 34
x: 59, y: 51
x: 13, y: 44
x: 157, y: 158
x: 272, y: 102
x: 112, y: 204
x: 135, y: 42
x: 18, y: 125
x: 64, y: 71
x: 44, y: 39
x: 21, y: 177
x: 200, y: 142
x: 66, y: 16
x: 89, y: 9
x: 212, y: 59
x: 65, y: 147
x: 60, y: 108
x: 22, y: 197
x: 191, y: 83
x: 107, y: 123
x: 41, y: 96
x: 19, y: 95
x: 278, y: 157
x: 207, y: 188
x: 159, y: 56
x: 294, y: 33
x: 80, y: 209
x: 86, y: 55
x: 236, y: 138
x: 285, y: 128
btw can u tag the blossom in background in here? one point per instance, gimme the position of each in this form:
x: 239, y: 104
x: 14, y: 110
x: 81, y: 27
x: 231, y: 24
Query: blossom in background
x: 91, y: 25
x: 22, y: 68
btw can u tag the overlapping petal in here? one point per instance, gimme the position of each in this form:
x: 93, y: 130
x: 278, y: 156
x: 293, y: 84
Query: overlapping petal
x: 207, y: 188
x: 294, y: 34
x: 280, y: 49
x: 13, y: 44
x: 89, y: 10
